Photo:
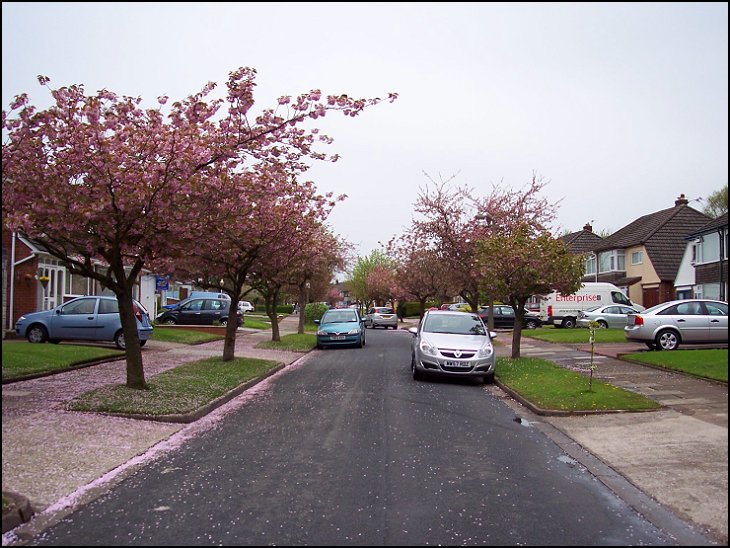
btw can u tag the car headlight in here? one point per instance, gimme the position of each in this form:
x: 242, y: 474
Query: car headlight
x: 320, y: 332
x: 426, y: 348
x: 22, y: 319
x: 355, y: 331
x: 485, y: 351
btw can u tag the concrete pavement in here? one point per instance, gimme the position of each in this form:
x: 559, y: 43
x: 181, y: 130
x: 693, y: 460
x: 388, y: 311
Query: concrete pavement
x: 666, y: 464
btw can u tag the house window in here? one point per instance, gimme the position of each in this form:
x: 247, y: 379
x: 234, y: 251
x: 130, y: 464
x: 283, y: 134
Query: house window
x: 590, y: 264
x: 612, y: 261
x: 637, y: 257
x: 707, y: 249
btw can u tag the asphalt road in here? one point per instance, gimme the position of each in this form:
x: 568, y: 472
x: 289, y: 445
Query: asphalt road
x: 348, y: 449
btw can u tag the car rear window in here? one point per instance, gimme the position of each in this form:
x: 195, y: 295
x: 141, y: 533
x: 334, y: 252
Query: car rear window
x: 384, y: 310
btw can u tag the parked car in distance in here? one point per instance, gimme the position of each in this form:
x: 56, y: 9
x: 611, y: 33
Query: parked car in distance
x: 461, y: 307
x: 381, y: 316
x: 504, y: 317
x: 199, y: 312
x: 688, y: 321
x: 91, y: 318
x: 197, y: 295
x: 340, y: 327
x: 613, y: 315
x: 245, y: 306
x: 450, y: 343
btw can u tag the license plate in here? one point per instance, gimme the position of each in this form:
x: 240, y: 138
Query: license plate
x: 457, y: 364
x: 386, y: 316
x: 337, y: 337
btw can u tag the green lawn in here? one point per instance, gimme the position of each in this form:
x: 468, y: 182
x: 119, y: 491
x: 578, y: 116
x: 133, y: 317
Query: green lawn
x: 179, y: 390
x: 21, y: 358
x: 549, y: 386
x: 707, y: 363
x: 293, y: 342
x: 575, y: 336
x: 184, y: 336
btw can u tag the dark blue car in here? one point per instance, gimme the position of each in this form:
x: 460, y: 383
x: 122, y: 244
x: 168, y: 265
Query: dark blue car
x: 340, y: 327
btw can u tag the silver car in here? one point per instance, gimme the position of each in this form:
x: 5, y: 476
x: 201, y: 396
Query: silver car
x: 382, y: 316
x: 612, y: 315
x: 690, y: 321
x: 454, y: 344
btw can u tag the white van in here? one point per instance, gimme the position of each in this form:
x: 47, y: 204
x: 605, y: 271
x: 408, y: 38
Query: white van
x: 563, y: 310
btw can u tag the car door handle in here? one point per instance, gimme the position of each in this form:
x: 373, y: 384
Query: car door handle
x: 714, y: 321
x: 680, y: 321
x: 90, y: 318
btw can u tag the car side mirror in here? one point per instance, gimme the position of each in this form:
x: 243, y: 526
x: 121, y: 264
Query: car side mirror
x: 413, y: 330
x: 316, y: 321
x: 492, y: 335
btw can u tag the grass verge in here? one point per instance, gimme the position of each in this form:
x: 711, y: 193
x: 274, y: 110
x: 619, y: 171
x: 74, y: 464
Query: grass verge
x: 184, y: 336
x: 707, y: 363
x: 21, y: 359
x: 549, y: 386
x: 293, y: 342
x: 575, y: 336
x: 176, y: 391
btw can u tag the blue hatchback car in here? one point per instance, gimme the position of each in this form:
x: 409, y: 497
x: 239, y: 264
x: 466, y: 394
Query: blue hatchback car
x: 340, y: 327
x: 92, y: 318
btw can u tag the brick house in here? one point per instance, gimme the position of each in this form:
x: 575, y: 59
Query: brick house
x: 35, y: 280
x: 643, y: 258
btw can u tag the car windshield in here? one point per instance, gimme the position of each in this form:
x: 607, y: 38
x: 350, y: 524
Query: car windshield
x: 454, y: 324
x: 340, y: 316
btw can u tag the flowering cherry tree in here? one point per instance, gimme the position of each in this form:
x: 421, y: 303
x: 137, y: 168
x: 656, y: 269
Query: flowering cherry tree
x: 100, y: 179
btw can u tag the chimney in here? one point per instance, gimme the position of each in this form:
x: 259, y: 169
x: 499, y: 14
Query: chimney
x: 587, y: 227
x: 682, y: 200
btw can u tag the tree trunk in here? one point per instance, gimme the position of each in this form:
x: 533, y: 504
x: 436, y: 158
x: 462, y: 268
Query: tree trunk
x: 271, y: 302
x: 302, y: 303
x: 133, y: 350
x: 519, y: 308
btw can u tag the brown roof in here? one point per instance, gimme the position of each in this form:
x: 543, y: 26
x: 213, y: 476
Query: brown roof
x: 712, y: 226
x: 581, y: 242
x: 663, y: 234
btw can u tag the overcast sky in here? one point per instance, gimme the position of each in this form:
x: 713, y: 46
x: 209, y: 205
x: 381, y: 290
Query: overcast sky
x: 622, y: 107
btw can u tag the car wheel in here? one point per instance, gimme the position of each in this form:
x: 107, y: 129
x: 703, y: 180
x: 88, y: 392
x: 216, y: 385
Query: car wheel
x: 568, y: 323
x: 602, y: 324
x: 169, y: 321
x: 119, y: 340
x: 224, y: 322
x: 37, y: 334
x: 488, y: 378
x: 142, y: 343
x: 417, y: 375
x: 667, y: 340
x: 531, y: 324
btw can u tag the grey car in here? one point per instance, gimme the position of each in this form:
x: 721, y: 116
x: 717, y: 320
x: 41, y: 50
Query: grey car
x: 689, y: 321
x: 453, y: 344
x: 612, y: 315
x: 381, y: 316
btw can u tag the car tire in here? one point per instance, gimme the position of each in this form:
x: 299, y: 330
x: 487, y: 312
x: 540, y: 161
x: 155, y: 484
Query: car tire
x: 119, y: 340
x: 417, y: 375
x: 224, y: 322
x: 169, y: 321
x: 568, y: 323
x: 667, y: 340
x: 602, y: 324
x: 488, y: 378
x: 142, y: 343
x: 37, y: 334
x: 531, y: 324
